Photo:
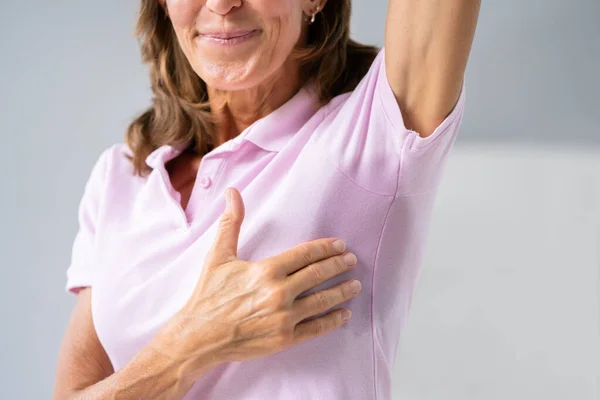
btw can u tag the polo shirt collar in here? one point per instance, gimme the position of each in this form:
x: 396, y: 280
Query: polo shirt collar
x: 271, y: 132
x: 274, y: 130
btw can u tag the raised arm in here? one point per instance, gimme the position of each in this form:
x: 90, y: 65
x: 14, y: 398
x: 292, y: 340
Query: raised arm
x: 427, y: 47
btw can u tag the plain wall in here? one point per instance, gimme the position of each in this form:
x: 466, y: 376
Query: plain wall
x: 507, y: 305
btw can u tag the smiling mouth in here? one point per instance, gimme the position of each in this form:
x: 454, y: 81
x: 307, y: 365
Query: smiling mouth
x: 229, y: 38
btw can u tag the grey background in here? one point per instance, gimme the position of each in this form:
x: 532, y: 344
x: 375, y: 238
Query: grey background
x: 507, y: 305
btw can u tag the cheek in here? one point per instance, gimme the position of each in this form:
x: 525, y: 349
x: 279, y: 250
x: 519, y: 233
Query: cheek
x: 283, y: 26
x: 183, y: 13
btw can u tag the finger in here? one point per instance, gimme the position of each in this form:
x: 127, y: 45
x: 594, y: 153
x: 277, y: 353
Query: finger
x: 323, y: 300
x: 305, y: 254
x: 225, y: 246
x: 319, y: 272
x: 318, y: 326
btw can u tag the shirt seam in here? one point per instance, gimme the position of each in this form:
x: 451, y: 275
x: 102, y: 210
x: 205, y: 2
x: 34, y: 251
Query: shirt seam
x: 348, y: 177
x: 406, y: 144
x: 375, y: 372
x: 387, y: 115
x: 375, y: 259
x: 402, y: 131
x: 393, y: 197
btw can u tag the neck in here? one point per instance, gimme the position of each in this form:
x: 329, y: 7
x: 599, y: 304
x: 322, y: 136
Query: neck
x: 234, y: 111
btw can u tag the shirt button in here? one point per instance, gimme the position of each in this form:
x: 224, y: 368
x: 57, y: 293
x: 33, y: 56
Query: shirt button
x: 205, y: 181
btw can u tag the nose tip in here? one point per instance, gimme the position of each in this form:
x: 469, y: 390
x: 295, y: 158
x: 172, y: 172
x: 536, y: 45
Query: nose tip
x: 223, y: 7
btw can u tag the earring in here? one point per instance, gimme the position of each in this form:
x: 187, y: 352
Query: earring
x: 315, y: 14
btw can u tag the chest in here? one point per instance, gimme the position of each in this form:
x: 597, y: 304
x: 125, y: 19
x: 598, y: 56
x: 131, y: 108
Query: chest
x: 182, y: 173
x: 147, y: 267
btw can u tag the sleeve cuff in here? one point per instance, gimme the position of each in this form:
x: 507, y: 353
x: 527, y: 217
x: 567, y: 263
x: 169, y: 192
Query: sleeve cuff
x: 392, y: 110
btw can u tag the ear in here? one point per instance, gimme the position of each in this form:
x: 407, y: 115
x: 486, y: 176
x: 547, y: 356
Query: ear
x: 311, y: 7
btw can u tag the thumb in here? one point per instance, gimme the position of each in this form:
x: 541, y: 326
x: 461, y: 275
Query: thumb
x: 225, y: 246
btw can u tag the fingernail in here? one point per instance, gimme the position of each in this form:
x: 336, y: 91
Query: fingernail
x: 346, y: 315
x: 339, y: 245
x: 355, y: 286
x: 350, y: 259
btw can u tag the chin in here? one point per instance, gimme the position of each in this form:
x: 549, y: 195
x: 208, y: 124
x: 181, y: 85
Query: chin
x: 232, y: 75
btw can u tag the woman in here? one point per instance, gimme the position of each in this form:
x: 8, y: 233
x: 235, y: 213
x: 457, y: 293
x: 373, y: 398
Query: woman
x: 318, y: 138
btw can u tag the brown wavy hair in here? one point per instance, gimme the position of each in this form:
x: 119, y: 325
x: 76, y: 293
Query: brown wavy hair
x: 180, y: 112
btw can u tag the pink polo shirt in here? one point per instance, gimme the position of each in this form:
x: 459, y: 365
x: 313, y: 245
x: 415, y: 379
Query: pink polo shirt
x: 349, y: 169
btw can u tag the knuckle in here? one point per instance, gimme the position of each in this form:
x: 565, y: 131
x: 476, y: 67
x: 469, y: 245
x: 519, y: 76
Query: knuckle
x: 317, y: 273
x: 319, y: 326
x: 305, y: 253
x: 261, y: 269
x: 325, y: 248
x: 285, y: 321
x: 278, y: 296
x: 283, y: 341
x: 285, y: 326
x: 226, y: 218
x: 321, y: 301
x: 255, y: 267
x: 265, y: 268
x: 345, y: 292
x: 339, y: 264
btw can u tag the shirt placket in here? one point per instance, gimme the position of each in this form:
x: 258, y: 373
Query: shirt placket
x: 203, y: 191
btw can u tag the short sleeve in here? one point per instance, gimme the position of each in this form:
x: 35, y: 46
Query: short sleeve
x: 365, y: 136
x: 79, y: 272
x: 423, y: 159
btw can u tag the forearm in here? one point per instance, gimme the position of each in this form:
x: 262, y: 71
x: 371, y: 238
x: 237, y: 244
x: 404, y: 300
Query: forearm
x: 150, y: 375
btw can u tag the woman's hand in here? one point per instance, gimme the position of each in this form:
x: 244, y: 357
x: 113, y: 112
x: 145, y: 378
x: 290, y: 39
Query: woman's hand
x: 244, y: 310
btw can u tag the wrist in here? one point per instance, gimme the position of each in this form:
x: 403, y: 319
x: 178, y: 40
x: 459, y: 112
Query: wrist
x: 182, y: 373
x: 192, y: 354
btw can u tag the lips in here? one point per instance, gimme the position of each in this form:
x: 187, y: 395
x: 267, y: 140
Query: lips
x: 228, y: 35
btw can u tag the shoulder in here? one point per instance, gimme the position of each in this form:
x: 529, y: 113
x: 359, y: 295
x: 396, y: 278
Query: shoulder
x: 364, y: 134
x: 117, y: 152
x: 110, y: 167
x: 358, y: 135
x: 115, y: 158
